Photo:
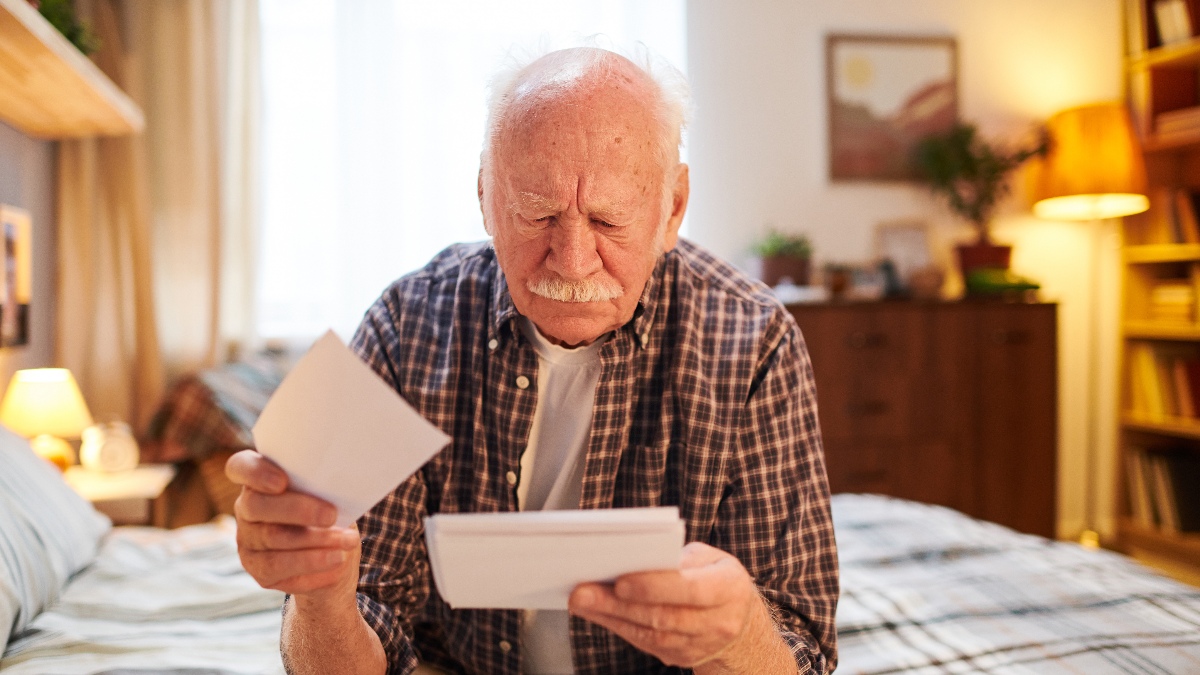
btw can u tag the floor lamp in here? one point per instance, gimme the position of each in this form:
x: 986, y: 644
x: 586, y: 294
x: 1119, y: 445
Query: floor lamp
x: 1093, y: 171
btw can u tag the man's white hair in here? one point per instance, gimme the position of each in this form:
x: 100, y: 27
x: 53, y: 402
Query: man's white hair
x: 671, y: 96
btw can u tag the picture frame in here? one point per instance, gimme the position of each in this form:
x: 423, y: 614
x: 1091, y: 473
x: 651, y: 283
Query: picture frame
x: 884, y: 93
x: 16, y: 226
x: 908, y: 245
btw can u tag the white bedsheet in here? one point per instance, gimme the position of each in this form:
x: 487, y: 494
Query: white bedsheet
x: 156, y: 600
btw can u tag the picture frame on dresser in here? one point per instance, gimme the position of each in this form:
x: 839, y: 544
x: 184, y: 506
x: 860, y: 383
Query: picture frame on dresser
x: 908, y: 245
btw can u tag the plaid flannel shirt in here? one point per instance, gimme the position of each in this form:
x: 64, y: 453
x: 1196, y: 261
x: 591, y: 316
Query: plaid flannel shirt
x: 706, y: 401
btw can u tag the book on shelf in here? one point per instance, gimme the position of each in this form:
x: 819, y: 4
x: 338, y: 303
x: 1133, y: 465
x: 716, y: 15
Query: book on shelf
x: 1137, y: 473
x: 1166, y: 386
x: 1170, y: 479
x: 1146, y: 393
x: 1164, y: 382
x: 1184, y: 399
x: 1175, y: 215
x: 1163, y: 493
x: 1173, y: 300
x: 1182, y: 120
x: 1185, y: 212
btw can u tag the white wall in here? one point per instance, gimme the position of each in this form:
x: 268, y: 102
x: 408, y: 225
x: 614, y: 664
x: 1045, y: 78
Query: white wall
x: 758, y: 155
x: 27, y: 181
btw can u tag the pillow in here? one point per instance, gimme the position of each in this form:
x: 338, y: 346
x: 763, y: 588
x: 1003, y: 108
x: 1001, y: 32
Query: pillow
x: 47, y: 533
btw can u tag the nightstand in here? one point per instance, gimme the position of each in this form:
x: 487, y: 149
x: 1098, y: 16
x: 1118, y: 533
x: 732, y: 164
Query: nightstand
x: 133, y: 497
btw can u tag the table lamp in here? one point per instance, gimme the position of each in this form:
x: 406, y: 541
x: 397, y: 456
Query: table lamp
x: 1094, y: 171
x: 45, y: 405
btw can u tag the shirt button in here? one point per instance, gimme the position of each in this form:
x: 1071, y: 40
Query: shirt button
x: 522, y: 382
x: 511, y: 477
x: 493, y: 343
x: 645, y: 339
x: 505, y: 646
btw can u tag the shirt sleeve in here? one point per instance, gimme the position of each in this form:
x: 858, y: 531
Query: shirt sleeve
x: 775, y: 516
x: 393, y: 584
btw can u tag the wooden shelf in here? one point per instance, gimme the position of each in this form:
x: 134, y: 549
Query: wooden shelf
x: 1162, y: 253
x: 1182, y: 54
x: 1178, y: 427
x: 1156, y: 330
x: 1159, y: 81
x: 1184, y: 546
x: 49, y: 89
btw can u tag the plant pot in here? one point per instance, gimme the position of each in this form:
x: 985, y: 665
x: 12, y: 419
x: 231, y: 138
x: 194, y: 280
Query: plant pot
x: 775, y: 268
x: 974, y: 256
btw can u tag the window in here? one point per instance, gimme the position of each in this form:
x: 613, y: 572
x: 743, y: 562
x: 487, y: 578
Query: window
x: 373, y: 117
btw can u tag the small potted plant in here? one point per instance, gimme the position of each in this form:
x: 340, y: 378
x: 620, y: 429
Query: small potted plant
x: 973, y: 176
x: 785, y: 255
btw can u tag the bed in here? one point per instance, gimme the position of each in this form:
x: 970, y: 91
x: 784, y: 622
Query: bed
x: 925, y: 590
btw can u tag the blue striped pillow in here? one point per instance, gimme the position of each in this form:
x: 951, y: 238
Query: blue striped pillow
x: 47, y: 534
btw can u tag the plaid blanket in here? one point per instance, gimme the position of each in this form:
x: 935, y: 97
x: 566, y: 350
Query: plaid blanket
x: 212, y: 410
x: 928, y: 590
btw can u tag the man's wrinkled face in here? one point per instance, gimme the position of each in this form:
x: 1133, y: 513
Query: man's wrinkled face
x: 580, y: 209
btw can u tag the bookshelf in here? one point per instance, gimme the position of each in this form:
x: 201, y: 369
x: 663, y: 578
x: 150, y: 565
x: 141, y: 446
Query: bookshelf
x: 48, y: 89
x: 1159, y: 427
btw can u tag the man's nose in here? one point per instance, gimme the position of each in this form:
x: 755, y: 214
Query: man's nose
x: 573, y: 249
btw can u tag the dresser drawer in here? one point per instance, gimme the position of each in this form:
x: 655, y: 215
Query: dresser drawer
x: 866, y: 360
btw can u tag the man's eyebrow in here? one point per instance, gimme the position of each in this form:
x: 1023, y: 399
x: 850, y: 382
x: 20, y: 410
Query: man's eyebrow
x: 534, y: 201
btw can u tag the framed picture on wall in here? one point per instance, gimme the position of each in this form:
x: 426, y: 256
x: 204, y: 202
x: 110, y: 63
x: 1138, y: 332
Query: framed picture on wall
x: 15, y: 275
x: 884, y: 94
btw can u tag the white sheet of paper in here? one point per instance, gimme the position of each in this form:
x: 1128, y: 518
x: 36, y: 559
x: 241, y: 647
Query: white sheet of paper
x: 533, y: 559
x: 341, y: 432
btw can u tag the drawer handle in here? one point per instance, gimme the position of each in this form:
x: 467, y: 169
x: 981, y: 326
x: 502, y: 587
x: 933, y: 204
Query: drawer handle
x: 864, y: 340
x: 1010, y: 337
x: 867, y: 408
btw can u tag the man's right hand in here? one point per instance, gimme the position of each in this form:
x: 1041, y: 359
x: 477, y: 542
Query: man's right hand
x: 286, y: 539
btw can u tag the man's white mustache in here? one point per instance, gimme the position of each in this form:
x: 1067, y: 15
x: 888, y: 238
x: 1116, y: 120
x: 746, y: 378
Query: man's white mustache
x: 584, y: 290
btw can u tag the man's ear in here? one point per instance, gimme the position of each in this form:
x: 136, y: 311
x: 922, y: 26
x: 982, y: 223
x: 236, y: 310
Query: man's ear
x: 680, y: 191
x: 479, y: 188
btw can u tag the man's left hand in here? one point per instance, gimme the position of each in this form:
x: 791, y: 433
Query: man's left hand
x: 706, y: 612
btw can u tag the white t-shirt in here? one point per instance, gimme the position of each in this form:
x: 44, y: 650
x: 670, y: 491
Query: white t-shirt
x: 552, y: 472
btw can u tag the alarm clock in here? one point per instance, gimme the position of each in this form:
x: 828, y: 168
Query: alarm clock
x: 108, y: 447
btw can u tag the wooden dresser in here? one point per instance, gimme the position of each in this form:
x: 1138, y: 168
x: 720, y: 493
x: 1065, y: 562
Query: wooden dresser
x: 948, y: 403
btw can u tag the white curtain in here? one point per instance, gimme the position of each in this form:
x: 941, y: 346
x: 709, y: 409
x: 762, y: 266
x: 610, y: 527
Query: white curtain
x: 156, y: 231
x: 201, y: 103
x: 373, y: 115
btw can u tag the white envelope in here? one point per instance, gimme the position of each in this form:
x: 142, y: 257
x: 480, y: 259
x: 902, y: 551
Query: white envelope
x: 533, y: 559
x: 341, y: 432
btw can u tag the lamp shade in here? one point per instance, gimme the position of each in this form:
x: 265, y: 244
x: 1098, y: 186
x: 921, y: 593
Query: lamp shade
x: 1094, y: 169
x: 45, y: 401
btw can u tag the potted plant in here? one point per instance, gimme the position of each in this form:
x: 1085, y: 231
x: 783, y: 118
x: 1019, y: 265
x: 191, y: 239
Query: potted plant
x: 972, y: 176
x: 785, y: 255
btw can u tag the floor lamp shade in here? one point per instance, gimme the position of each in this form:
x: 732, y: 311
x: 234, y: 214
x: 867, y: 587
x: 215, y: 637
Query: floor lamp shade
x: 1094, y: 169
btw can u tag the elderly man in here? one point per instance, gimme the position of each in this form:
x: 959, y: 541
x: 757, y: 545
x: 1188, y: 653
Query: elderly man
x: 585, y: 358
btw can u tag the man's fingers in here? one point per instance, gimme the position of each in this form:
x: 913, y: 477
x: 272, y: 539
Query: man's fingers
x: 678, y: 636
x: 270, y: 568
x: 600, y: 602
x: 289, y: 508
x: 273, y: 537
x: 252, y: 470
x: 699, y: 554
x: 711, y: 585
